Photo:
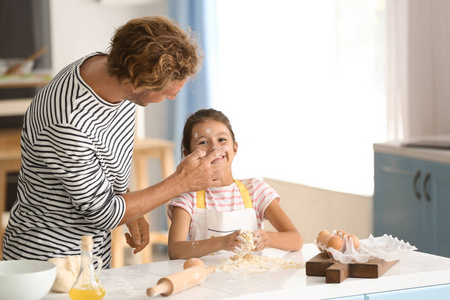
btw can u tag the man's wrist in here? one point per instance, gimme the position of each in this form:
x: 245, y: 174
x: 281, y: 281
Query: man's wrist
x: 175, y: 185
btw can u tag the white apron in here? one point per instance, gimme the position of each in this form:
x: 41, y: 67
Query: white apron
x: 208, y: 223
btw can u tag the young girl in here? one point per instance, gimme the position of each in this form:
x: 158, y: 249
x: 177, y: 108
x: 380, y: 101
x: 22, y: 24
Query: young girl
x: 212, y: 218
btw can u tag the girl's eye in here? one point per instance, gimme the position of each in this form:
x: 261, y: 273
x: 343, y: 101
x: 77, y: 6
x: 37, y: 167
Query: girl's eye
x: 222, y: 140
x: 202, y: 143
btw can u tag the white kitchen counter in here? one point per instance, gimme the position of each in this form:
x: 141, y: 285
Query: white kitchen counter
x: 429, y: 154
x: 131, y: 282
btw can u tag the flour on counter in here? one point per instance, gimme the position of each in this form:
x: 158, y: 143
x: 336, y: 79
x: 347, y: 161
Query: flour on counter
x: 254, y: 264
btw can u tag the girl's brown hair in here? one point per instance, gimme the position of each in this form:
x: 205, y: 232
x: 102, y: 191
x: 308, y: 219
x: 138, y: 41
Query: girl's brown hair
x: 202, y: 115
x: 150, y: 52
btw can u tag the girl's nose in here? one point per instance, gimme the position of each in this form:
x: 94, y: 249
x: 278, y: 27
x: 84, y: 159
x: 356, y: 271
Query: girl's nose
x: 214, y: 147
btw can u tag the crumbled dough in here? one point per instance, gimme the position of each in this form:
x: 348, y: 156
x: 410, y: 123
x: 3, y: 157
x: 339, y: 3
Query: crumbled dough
x: 246, y: 243
x: 254, y: 264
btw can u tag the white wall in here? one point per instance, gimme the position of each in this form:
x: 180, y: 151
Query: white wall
x: 80, y: 27
x: 313, y: 210
x: 418, y: 68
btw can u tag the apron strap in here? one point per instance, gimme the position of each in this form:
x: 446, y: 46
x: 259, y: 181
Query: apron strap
x: 201, y: 199
x: 244, y: 193
x: 242, y: 189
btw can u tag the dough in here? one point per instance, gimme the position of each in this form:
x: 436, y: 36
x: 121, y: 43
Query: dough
x: 67, y: 269
x: 246, y: 244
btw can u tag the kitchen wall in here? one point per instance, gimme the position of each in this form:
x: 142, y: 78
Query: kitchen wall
x: 313, y: 210
x: 418, y: 68
x: 80, y: 27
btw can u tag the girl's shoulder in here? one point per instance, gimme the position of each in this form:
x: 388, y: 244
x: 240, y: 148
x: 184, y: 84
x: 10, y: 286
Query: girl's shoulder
x: 254, y: 183
x: 250, y: 180
x: 258, y: 188
x: 186, y: 201
x: 185, y: 197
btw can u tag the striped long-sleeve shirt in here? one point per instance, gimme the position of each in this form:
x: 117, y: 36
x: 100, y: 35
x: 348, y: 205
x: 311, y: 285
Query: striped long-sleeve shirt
x: 76, y: 160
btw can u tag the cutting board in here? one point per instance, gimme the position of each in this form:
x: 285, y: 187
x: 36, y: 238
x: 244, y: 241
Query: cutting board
x: 336, y: 272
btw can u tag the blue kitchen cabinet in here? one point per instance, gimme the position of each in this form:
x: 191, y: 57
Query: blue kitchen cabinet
x: 440, y: 199
x: 438, y: 292
x: 358, y: 297
x: 412, y: 201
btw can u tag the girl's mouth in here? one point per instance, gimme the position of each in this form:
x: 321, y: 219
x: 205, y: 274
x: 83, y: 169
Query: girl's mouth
x: 218, y: 158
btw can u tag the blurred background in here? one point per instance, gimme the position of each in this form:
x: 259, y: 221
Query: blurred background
x: 309, y: 86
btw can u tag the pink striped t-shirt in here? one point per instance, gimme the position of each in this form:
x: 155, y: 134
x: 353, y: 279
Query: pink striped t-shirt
x: 228, y: 198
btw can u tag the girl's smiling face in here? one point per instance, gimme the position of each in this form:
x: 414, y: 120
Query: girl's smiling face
x: 210, y: 135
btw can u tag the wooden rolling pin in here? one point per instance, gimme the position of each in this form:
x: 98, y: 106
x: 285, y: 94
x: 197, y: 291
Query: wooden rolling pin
x: 181, y: 281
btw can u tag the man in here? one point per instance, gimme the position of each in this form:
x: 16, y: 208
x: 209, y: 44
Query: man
x: 77, y: 144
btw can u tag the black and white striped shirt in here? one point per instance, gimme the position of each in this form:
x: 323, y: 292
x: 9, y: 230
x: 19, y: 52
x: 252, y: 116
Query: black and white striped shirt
x: 76, y: 160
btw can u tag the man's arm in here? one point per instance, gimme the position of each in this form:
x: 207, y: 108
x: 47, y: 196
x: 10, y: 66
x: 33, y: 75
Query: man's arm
x: 193, y: 174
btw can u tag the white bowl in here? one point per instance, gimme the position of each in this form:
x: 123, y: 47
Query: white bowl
x: 26, y: 279
x: 7, y: 63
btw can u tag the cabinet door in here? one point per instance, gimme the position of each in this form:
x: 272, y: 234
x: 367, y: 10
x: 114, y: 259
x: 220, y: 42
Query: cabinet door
x: 398, y: 199
x: 437, y: 192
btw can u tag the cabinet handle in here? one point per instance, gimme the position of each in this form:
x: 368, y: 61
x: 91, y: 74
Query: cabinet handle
x: 416, y: 191
x: 425, y: 190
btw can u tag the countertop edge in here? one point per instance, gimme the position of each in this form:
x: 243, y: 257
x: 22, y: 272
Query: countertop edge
x: 434, y: 155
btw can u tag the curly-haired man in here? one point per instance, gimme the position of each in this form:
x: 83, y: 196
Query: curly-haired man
x: 77, y: 144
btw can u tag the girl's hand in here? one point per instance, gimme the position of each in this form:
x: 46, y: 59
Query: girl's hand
x: 230, y: 241
x: 260, y: 239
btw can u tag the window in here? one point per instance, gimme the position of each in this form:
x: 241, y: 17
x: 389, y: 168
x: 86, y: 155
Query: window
x: 303, y: 85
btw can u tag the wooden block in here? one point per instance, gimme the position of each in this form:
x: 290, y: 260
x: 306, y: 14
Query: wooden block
x: 337, y: 273
x: 318, y: 265
x: 374, y: 268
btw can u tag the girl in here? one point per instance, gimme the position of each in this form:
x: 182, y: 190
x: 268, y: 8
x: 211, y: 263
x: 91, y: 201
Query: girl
x: 212, y: 218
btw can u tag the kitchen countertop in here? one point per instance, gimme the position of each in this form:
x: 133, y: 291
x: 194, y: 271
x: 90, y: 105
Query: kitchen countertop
x: 429, y: 154
x: 131, y: 282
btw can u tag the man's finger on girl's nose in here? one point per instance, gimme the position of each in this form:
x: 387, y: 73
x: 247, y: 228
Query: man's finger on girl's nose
x: 216, y: 153
x: 196, y: 155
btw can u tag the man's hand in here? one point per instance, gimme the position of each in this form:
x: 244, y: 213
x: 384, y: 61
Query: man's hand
x: 197, y: 173
x: 138, y: 237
